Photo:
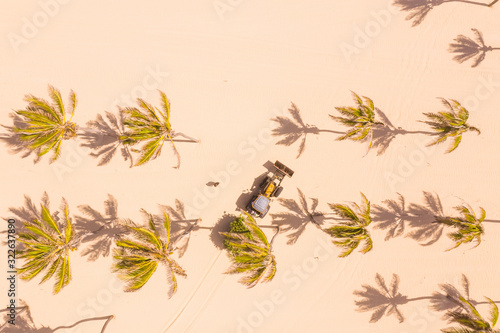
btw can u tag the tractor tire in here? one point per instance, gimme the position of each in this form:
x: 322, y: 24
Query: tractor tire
x: 278, y: 191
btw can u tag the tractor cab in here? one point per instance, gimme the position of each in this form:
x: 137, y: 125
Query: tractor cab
x: 269, y: 188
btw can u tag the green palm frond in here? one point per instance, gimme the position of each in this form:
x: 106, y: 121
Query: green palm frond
x: 45, y: 125
x: 138, y: 254
x: 361, y: 120
x: 250, y: 252
x: 471, y: 320
x: 469, y: 226
x: 149, y: 125
x: 47, y: 249
x: 450, y: 124
x: 349, y: 234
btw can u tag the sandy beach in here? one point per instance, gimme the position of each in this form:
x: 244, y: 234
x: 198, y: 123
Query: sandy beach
x: 228, y: 68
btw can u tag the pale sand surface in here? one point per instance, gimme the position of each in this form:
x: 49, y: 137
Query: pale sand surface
x: 226, y: 79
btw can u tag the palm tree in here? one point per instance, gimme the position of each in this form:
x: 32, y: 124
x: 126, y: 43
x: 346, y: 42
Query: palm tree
x: 150, y: 125
x: 450, y: 124
x: 182, y: 227
x: 353, y: 231
x: 467, y: 48
x: 250, y: 252
x: 448, y: 299
x: 299, y: 217
x: 138, y: 254
x: 468, y: 225
x: 418, y: 9
x: 45, y: 125
x: 470, y: 320
x: 47, y: 248
x: 361, y: 119
x: 294, y: 128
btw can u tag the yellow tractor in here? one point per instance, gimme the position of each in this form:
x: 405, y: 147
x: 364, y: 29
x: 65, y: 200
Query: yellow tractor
x: 270, y: 187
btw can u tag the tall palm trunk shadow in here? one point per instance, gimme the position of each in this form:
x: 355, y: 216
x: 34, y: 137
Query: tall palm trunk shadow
x: 384, y: 135
x: 99, y: 231
x: 382, y: 300
x: 297, y: 218
x: 293, y: 129
x: 24, y: 322
x: 103, y: 138
x: 416, y: 220
x: 466, y: 48
x: 419, y: 9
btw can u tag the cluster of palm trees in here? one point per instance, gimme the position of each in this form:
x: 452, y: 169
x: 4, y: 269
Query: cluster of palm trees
x: 366, y: 122
x: 349, y: 224
x: 42, y: 127
x: 459, y: 308
x: 47, y: 241
x: 49, y: 238
x: 138, y: 250
x: 464, y: 47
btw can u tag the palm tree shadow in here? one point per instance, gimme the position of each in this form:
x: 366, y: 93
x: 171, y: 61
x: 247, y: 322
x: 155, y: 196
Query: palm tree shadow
x: 422, y: 226
x: 24, y: 322
x: 467, y: 48
x: 13, y: 139
x: 222, y: 225
x: 448, y: 298
x: 99, y: 231
x: 292, y: 129
x: 397, y: 217
x: 381, y: 300
x: 384, y: 135
x: 297, y: 218
x: 103, y: 138
x: 28, y: 213
x: 419, y: 9
x: 182, y: 227
x: 392, y: 217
